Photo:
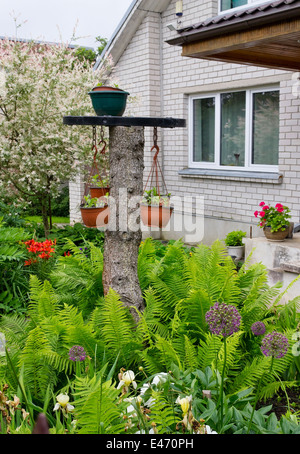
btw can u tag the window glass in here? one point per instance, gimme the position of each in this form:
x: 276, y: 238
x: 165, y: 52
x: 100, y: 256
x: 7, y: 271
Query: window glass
x: 265, y: 130
x: 236, y: 129
x: 228, y: 4
x: 204, y: 130
x: 233, y: 129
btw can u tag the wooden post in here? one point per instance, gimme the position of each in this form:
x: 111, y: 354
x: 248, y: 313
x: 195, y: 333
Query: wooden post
x: 122, y: 239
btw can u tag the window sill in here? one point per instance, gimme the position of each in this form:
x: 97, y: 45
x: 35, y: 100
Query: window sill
x: 235, y: 175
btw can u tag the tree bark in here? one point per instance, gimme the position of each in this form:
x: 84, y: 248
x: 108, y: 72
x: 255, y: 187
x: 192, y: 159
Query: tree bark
x: 44, y: 210
x: 123, y: 234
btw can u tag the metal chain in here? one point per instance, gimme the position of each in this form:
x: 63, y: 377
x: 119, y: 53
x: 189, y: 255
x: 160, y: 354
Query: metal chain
x: 155, y: 136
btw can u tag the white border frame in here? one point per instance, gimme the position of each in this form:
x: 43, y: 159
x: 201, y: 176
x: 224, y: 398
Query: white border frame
x: 248, y: 132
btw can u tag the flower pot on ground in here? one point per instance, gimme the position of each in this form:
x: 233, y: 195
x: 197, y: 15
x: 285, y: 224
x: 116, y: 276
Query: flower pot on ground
x: 108, y: 100
x: 274, y: 221
x: 95, y: 212
x: 279, y: 235
x: 155, y: 209
x: 234, y: 243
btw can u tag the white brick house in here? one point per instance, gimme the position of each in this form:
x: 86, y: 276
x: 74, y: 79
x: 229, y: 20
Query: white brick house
x: 223, y: 154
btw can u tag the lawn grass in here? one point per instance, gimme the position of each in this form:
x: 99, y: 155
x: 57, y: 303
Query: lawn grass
x: 55, y: 219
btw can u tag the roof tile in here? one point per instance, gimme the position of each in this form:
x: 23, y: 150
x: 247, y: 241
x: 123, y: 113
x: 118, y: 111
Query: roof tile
x: 251, y: 11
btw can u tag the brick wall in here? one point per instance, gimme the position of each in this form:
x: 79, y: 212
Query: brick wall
x: 162, y: 81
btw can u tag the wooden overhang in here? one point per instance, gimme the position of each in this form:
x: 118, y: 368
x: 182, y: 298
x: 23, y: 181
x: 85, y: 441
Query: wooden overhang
x: 267, y: 35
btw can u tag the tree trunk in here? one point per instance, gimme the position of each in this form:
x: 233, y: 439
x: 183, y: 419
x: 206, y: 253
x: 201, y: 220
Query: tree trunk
x: 44, y: 209
x: 123, y: 234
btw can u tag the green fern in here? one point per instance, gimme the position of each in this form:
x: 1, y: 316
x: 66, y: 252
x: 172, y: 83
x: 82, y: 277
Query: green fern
x: 77, y: 279
x: 97, y: 409
x: 118, y: 331
x: 163, y: 415
x: 37, y: 374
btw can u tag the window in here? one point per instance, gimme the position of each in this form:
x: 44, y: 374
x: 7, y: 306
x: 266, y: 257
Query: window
x: 238, y: 129
x: 229, y: 4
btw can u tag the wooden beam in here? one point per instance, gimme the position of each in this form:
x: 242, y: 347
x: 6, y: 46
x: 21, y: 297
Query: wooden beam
x: 259, y: 59
x: 284, y: 34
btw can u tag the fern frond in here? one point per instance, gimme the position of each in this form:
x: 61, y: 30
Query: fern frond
x: 97, y: 410
x: 117, y: 328
x: 43, y: 300
x: 208, y: 350
x: 163, y: 415
x: 272, y: 388
x: 37, y: 374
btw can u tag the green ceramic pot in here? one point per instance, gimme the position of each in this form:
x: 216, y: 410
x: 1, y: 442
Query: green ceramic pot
x: 109, y: 101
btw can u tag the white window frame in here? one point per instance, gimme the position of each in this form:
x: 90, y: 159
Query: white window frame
x: 249, y: 3
x: 248, y: 132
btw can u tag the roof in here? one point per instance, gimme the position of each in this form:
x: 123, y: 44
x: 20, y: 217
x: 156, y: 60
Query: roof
x: 50, y: 43
x: 261, y: 14
x: 266, y: 35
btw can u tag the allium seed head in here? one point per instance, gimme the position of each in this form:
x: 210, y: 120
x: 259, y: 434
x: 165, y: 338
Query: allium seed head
x: 275, y: 344
x: 223, y: 319
x: 258, y: 328
x: 77, y: 353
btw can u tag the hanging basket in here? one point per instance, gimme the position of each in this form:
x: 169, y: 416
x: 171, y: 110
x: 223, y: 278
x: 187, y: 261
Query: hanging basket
x: 94, y: 205
x: 155, y: 216
x: 95, y: 217
x: 155, y: 208
x: 98, y: 192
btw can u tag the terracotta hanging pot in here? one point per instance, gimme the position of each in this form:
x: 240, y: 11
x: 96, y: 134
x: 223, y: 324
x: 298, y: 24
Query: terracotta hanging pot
x: 97, y: 192
x: 94, y: 217
x: 280, y: 235
x: 155, y: 216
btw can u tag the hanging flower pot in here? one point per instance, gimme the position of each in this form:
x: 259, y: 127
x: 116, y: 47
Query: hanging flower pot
x: 99, y: 187
x: 155, y: 216
x: 98, y: 192
x: 155, y: 210
x: 95, y: 212
x: 108, y: 100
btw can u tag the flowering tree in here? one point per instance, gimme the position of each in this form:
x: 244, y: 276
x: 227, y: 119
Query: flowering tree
x: 39, y: 84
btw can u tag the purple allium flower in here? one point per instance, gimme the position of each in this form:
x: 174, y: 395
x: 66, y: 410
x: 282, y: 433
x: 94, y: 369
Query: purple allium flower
x: 274, y: 344
x: 77, y: 353
x: 223, y: 319
x: 258, y: 328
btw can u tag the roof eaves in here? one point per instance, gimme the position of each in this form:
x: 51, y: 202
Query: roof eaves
x: 264, y: 14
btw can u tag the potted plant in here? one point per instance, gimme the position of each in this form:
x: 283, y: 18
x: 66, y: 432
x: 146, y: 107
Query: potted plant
x: 99, y: 186
x: 155, y: 208
x: 274, y: 221
x: 95, y: 211
x: 234, y: 243
x: 108, y: 100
